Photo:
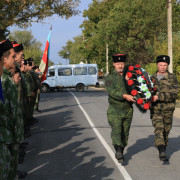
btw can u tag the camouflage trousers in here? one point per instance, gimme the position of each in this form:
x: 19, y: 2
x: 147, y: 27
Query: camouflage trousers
x: 36, y: 106
x: 120, y: 124
x: 162, y: 122
x: 14, y: 151
x: 5, y: 159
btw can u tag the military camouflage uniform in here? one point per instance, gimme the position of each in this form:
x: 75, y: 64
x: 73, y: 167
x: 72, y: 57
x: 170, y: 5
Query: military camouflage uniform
x: 162, y: 110
x: 22, y: 94
x: 37, y: 86
x: 5, y: 139
x: 120, y: 111
x: 15, y: 120
x: 30, y: 90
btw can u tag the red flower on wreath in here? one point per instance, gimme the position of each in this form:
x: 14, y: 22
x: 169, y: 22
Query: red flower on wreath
x: 134, y: 92
x: 129, y: 74
x: 139, y: 72
x: 137, y: 65
x: 155, y: 89
x: 146, y: 106
x: 140, y: 101
x: 143, y: 77
x: 130, y: 82
x: 131, y: 68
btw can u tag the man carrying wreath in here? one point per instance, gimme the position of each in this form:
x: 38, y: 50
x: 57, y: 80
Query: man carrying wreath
x: 164, y: 104
x: 120, y: 110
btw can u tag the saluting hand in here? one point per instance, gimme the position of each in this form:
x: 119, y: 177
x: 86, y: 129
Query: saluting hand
x: 155, y: 98
x: 127, y: 78
x: 128, y: 97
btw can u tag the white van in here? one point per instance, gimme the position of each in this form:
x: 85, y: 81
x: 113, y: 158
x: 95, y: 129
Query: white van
x: 68, y: 76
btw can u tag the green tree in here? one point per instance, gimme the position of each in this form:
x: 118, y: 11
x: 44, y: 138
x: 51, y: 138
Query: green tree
x: 51, y: 63
x: 32, y: 47
x: 128, y: 26
x: 73, y: 51
x: 23, y: 12
x: 26, y: 38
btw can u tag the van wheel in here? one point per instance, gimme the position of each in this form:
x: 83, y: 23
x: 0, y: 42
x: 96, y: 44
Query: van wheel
x: 80, y: 87
x: 97, y: 85
x: 44, y: 88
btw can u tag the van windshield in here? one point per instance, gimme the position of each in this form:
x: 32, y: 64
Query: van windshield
x: 51, y: 72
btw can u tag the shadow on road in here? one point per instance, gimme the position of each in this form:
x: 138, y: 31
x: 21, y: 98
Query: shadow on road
x: 58, y: 151
x: 145, y: 143
x: 140, y: 145
x: 174, y: 146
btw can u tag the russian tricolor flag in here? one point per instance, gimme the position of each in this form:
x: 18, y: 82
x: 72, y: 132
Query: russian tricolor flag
x: 45, y: 59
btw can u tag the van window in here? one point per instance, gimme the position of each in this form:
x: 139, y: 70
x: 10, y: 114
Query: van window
x: 65, y: 72
x: 51, y: 72
x: 80, y: 71
x: 91, y: 70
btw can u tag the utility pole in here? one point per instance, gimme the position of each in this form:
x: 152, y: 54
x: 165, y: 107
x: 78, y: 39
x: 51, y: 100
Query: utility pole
x: 107, y: 57
x: 169, y: 24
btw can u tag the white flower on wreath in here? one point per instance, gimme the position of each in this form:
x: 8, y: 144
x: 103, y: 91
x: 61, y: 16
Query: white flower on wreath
x: 140, y: 79
x: 152, y: 84
x: 143, y: 87
x: 148, y: 95
x: 143, y: 69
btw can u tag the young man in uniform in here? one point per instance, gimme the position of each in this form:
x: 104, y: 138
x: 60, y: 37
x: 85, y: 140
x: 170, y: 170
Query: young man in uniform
x: 120, y: 110
x: 5, y: 133
x: 12, y: 106
x: 164, y: 104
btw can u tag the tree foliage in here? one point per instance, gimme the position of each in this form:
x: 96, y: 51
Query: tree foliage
x: 32, y: 47
x: 73, y: 51
x: 23, y: 12
x: 132, y: 27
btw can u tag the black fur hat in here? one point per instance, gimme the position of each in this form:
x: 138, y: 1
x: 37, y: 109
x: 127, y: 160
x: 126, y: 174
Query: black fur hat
x: 5, y: 46
x: 119, y: 58
x: 163, y: 58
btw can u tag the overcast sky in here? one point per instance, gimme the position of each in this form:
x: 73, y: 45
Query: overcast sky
x: 62, y: 31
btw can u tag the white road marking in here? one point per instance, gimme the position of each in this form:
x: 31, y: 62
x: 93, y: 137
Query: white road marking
x: 109, y: 150
x: 39, y: 167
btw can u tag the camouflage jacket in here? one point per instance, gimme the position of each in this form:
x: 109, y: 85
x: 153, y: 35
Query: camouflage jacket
x: 12, y: 106
x: 5, y: 131
x: 36, y: 80
x: 29, y: 83
x: 115, y: 86
x: 167, y: 90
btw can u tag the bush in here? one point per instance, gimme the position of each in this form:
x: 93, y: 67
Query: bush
x: 151, y: 68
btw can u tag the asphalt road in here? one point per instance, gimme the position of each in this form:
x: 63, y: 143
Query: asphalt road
x: 72, y: 141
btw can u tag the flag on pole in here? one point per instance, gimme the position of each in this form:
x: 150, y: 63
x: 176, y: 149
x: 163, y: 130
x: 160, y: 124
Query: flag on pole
x: 45, y: 59
x: 1, y: 92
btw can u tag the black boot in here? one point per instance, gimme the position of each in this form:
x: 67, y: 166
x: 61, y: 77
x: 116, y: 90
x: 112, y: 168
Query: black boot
x: 37, y: 111
x: 119, y: 153
x: 21, y: 174
x: 162, y: 154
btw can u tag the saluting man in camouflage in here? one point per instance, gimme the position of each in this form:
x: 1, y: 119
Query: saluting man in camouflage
x: 120, y: 110
x: 5, y: 134
x: 13, y: 110
x: 164, y: 104
x: 36, y: 84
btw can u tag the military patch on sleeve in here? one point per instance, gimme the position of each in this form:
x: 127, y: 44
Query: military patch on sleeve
x: 108, y: 83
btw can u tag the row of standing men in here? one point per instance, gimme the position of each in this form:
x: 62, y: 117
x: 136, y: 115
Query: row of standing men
x: 20, y: 94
